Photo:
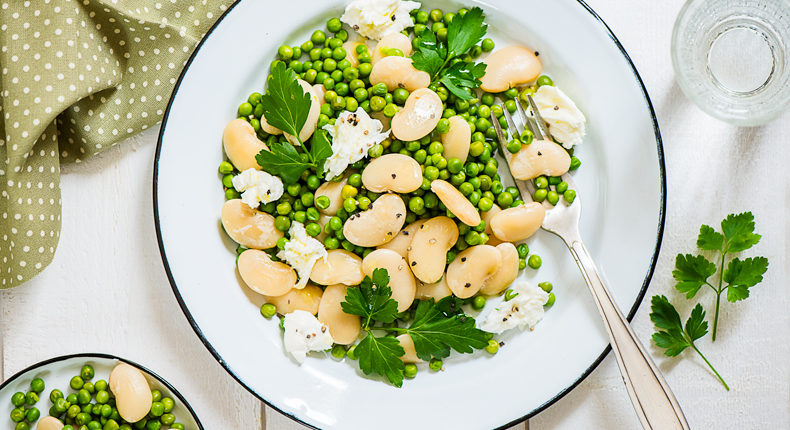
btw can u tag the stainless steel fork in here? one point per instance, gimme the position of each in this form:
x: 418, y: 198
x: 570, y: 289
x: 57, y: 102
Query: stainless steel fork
x: 652, y: 398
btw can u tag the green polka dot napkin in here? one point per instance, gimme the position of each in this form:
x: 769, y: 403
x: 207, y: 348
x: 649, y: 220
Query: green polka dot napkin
x: 76, y: 77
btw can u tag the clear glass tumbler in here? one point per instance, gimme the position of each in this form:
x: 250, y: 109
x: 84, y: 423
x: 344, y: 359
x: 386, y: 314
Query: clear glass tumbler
x: 731, y: 58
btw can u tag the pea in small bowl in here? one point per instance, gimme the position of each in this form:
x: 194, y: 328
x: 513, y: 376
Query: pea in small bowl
x: 57, y: 373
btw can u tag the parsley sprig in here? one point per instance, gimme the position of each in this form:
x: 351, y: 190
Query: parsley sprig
x: 673, y: 336
x: 693, y: 272
x: 437, y: 58
x: 286, y: 106
x: 434, y: 331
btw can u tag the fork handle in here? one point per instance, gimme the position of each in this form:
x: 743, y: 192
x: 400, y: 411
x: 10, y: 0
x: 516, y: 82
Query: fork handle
x: 652, y: 398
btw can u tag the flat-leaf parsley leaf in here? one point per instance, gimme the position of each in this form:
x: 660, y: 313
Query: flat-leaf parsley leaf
x: 673, y: 336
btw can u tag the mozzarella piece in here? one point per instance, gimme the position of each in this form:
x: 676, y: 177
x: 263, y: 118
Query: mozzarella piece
x: 524, y: 310
x: 301, y: 252
x: 257, y: 186
x: 304, y: 333
x: 353, y: 133
x: 566, y: 121
x: 375, y: 19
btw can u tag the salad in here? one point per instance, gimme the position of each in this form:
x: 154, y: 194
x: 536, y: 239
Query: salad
x: 365, y: 193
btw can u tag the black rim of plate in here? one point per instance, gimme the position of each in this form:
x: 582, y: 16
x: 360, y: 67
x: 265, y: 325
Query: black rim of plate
x: 97, y: 355
x: 558, y: 396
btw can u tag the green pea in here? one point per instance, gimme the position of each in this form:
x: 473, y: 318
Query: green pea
x: 322, y: 202
x: 157, y: 409
x: 313, y: 229
x: 553, y: 197
x: 510, y: 93
x: 523, y: 250
x: 435, y: 364
x: 492, y: 347
x: 388, y: 98
x: 544, y: 80
x: 282, y: 223
x: 454, y: 165
x: 479, y: 302
x: 153, y: 425
x: 83, y: 418
x: 410, y: 370
x: 245, y: 109
x: 487, y: 45
x: 225, y: 168
x: 550, y: 301
x: 422, y: 17
x: 22, y: 426
x: 60, y: 406
x: 338, y: 351
x: 472, y: 169
x: 83, y: 397
x: 285, y: 52
x: 546, y: 286
x: 310, y: 76
x: 400, y: 95
x: 106, y: 411
x: 534, y: 261
x: 72, y: 398
x: 513, y: 146
x: 334, y: 25
x: 569, y: 196
x: 431, y: 173
x: 177, y: 426
x: 331, y: 242
x: 476, y: 148
x: 575, y: 163
x: 100, y: 385
x: 430, y: 199
x: 18, y: 399
x: 562, y: 187
x: 227, y: 181
x: 348, y: 191
x: 73, y: 411
x: 364, y: 58
x: 416, y: 204
x: 504, y: 200
x: 318, y: 37
x: 17, y: 415
x: 472, y: 238
x: 541, y: 182
x: 540, y: 195
x: 349, y: 204
x: 377, y: 103
x: 111, y: 424
x: 76, y: 383
x: 390, y: 110
x: 365, y: 69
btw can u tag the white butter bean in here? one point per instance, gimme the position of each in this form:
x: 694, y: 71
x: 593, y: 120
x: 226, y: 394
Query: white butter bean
x: 436, y: 291
x: 471, y: 269
x: 132, y: 392
x: 343, y: 327
x: 419, y: 116
x: 456, y: 202
x: 264, y: 276
x: 377, y: 225
x: 518, y: 223
x: 249, y: 227
x: 507, y: 271
x: 341, y: 267
x: 508, y: 67
x: 428, y: 249
x: 392, y: 172
x: 307, y: 299
x: 541, y: 157
x: 49, y: 423
x: 402, y: 241
x: 242, y: 145
x: 402, y: 282
x: 457, y: 140
x: 398, y: 72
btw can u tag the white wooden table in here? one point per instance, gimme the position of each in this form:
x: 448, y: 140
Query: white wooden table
x: 106, y: 289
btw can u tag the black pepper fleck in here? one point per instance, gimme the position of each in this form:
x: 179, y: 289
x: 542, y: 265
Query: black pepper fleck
x: 394, y: 175
x: 413, y: 263
x: 463, y: 259
x: 467, y: 285
x: 405, y: 233
x: 398, y: 216
x: 556, y: 108
x: 537, y: 53
x: 539, y: 153
x: 393, y: 17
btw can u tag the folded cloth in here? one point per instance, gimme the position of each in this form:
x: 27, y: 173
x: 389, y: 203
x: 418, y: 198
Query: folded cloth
x: 76, y: 77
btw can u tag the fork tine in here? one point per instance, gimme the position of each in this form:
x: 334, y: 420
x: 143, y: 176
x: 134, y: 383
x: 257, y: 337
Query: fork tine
x: 499, y: 133
x: 528, y: 122
x: 510, y: 124
x: 538, y: 119
x: 526, y: 194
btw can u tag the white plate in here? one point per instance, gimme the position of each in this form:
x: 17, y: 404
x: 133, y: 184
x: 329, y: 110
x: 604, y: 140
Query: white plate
x: 621, y: 185
x: 58, y: 371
